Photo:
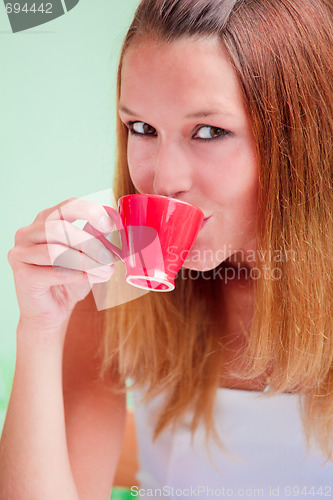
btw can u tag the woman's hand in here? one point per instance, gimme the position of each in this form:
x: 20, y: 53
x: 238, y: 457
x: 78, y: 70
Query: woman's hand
x: 55, y: 263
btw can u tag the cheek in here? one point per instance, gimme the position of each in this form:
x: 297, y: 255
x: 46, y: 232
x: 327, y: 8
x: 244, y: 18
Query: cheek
x: 234, y: 178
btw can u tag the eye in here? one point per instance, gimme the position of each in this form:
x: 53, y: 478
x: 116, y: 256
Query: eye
x: 208, y: 133
x: 141, y: 128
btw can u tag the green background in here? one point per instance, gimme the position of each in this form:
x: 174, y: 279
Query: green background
x: 57, y: 128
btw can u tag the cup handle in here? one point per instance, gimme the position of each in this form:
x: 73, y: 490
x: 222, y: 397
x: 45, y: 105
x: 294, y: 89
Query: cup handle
x: 119, y: 252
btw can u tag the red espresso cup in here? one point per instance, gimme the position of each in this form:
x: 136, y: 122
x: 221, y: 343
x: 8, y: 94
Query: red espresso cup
x: 157, y: 234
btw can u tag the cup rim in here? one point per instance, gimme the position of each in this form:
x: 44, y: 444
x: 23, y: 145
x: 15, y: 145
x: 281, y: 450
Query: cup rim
x: 159, y: 196
x: 161, y: 281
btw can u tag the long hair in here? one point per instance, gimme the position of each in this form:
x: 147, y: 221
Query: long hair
x: 281, y: 51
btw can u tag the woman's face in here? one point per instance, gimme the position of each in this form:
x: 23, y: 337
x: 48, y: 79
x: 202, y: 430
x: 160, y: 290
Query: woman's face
x: 189, y: 138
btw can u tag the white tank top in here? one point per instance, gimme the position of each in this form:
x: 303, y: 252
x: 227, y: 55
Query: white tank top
x: 267, y: 454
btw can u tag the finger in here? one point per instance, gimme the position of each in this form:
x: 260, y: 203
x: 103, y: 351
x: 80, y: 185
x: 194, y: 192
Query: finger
x: 64, y: 233
x: 30, y: 276
x: 77, y: 209
x: 56, y: 256
x: 42, y: 216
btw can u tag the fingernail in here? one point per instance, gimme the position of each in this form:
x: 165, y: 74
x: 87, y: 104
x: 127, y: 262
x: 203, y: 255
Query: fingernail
x: 105, y: 223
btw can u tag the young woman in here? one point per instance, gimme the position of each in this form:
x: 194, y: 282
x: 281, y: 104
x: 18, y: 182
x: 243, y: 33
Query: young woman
x: 228, y: 105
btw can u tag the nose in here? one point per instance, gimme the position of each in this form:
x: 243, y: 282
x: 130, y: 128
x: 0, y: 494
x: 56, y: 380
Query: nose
x: 173, y: 172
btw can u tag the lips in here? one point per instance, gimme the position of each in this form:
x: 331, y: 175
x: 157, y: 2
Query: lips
x: 205, y: 220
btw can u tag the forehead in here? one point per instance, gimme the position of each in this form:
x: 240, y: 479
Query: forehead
x: 184, y: 73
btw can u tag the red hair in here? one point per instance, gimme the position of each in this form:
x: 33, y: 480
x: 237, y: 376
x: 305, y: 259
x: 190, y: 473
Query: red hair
x: 282, y: 54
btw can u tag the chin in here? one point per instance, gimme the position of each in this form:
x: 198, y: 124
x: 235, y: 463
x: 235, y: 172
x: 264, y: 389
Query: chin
x: 201, y: 266
x: 205, y: 258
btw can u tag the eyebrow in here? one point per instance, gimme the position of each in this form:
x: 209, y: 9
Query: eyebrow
x: 197, y: 114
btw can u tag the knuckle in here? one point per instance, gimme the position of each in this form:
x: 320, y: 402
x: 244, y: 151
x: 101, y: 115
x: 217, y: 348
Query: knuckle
x: 11, y: 256
x: 69, y: 201
x: 49, y: 212
x: 19, y: 235
x: 65, y: 202
x: 41, y: 216
x: 44, y: 214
